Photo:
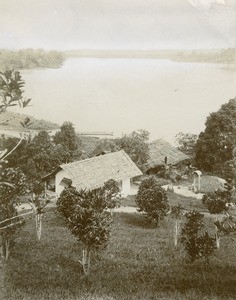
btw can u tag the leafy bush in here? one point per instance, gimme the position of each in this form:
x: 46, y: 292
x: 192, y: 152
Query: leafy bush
x: 110, y: 192
x: 86, y: 215
x: 219, y: 202
x: 12, y: 185
x: 216, y: 201
x: 194, y: 236
x: 87, y: 219
x: 66, y: 202
x: 228, y: 170
x: 177, y: 211
x: 152, y: 200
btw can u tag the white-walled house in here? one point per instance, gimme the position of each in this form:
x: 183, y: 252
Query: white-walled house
x: 93, y: 172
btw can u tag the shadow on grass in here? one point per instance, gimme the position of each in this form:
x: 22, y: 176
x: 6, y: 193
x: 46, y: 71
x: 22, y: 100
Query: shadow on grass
x: 53, y: 276
x: 136, y: 220
x: 139, y: 264
x: 120, y: 279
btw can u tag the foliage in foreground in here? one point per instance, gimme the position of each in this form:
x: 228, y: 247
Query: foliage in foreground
x: 138, y: 263
x: 195, y: 237
x: 13, y: 185
x: 218, y: 203
x: 152, y: 200
x: 11, y: 90
x: 87, y: 219
x: 110, y: 191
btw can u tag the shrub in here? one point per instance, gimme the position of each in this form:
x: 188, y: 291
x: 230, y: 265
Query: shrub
x: 217, y: 203
x: 152, y: 200
x: 12, y: 185
x: 66, y: 202
x: 87, y: 219
x: 110, y: 192
x: 196, y: 239
x: 214, y: 203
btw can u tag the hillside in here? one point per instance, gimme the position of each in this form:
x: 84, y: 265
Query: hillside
x: 11, y: 121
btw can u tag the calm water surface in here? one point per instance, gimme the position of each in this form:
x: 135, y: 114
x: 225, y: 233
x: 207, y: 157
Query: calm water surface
x: 122, y: 95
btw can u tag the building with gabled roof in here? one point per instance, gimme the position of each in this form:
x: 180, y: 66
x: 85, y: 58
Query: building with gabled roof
x: 92, y: 173
x: 162, y: 153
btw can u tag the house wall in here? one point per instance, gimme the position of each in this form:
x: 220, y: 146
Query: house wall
x: 125, y: 187
x: 58, y: 178
x: 125, y: 184
x: 50, y: 184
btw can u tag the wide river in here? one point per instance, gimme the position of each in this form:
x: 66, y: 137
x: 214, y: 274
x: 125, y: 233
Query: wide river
x: 122, y: 95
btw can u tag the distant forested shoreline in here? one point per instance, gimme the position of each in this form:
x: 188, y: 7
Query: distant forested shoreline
x: 39, y: 58
x: 30, y: 59
x: 223, y: 56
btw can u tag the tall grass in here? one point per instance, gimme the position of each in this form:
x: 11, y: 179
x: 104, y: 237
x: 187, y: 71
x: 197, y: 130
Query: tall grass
x: 139, y: 263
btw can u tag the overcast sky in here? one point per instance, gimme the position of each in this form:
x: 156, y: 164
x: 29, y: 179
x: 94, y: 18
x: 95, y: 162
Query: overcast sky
x: 117, y: 24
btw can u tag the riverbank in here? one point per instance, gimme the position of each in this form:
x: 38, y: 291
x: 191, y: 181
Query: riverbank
x: 217, y: 56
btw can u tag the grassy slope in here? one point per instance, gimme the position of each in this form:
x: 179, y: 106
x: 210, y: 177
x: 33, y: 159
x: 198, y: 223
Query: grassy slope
x: 15, y: 119
x: 139, y: 263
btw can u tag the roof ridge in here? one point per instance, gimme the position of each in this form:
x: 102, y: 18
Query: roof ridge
x: 92, y: 158
x: 93, y: 172
x: 157, y: 140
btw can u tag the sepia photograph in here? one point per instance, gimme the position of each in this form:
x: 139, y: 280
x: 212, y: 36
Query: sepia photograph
x: 117, y: 149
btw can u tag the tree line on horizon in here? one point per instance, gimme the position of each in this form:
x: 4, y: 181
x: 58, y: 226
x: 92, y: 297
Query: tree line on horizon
x: 227, y: 55
x: 30, y: 58
x: 211, y: 56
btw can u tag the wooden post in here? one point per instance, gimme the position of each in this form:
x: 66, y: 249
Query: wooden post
x: 197, y: 174
x: 199, y: 182
x: 176, y: 232
x: 217, y: 237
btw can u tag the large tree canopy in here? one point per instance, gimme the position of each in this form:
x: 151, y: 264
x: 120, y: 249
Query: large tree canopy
x: 66, y: 136
x: 136, y: 146
x: 186, y: 142
x: 215, y: 145
x: 37, y: 156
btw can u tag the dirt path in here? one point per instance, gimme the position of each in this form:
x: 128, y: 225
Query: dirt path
x: 184, y: 191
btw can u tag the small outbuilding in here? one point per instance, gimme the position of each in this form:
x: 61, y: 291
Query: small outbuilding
x: 163, y: 153
x: 92, y: 173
